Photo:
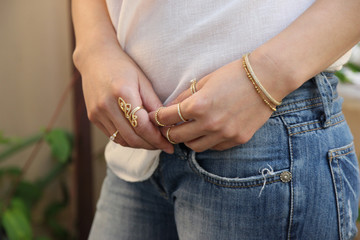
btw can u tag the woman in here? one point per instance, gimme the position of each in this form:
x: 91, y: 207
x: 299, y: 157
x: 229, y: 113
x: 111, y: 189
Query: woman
x: 244, y: 165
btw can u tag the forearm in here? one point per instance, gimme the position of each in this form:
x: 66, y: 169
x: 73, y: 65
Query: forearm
x: 321, y: 35
x: 94, y: 31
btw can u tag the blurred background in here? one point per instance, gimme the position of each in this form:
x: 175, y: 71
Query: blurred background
x: 45, y: 138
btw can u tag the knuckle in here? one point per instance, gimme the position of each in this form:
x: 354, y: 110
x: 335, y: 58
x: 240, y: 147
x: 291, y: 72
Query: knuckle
x: 228, y: 133
x: 212, y: 124
x: 141, y: 128
x: 92, y: 116
x: 118, y: 90
x: 102, y: 105
x: 198, y: 107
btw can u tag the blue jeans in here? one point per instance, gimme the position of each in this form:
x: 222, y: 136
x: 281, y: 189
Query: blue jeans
x: 297, y: 178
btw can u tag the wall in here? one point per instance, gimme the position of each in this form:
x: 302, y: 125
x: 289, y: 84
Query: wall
x: 35, y: 66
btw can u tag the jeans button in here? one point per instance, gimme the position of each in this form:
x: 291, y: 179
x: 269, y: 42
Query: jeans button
x: 285, y: 176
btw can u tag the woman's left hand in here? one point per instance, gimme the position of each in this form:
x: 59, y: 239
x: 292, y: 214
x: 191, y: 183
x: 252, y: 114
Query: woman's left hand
x: 225, y: 111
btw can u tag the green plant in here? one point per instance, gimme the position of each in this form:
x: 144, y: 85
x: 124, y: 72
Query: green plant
x: 19, y: 196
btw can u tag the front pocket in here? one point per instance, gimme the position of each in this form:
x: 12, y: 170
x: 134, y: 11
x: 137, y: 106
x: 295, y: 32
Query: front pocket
x: 345, y: 174
x: 258, y: 179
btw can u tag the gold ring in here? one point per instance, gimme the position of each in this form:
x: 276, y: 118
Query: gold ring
x: 156, y: 117
x: 133, y: 117
x: 125, y: 107
x: 112, y: 137
x: 180, y: 115
x: 193, y: 86
x: 168, y: 136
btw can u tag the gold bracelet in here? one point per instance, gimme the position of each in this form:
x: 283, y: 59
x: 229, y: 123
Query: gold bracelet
x: 247, y: 62
x: 255, y: 86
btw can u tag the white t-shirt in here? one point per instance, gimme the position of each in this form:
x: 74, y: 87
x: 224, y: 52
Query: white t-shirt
x: 174, y: 41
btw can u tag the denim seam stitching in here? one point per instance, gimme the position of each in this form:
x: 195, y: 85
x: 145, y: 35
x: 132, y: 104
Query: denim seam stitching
x: 344, y: 154
x: 307, y: 100
x: 213, y: 181
x: 300, y: 108
x: 336, y: 196
x: 310, y: 130
x: 317, y: 121
x: 291, y: 217
x: 342, y: 190
x: 208, y: 179
x: 351, y: 145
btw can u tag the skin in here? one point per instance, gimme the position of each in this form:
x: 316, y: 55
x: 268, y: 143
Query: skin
x: 226, y: 110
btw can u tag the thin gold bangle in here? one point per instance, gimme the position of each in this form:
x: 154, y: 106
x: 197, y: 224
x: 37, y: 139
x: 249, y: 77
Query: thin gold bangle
x: 256, y: 87
x: 248, y: 65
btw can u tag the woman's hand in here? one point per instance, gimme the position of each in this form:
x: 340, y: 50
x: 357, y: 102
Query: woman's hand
x: 107, y: 74
x: 224, y: 112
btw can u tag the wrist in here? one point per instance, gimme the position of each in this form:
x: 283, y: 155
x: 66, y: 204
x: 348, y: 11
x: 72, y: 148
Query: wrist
x: 277, y: 76
x: 96, y: 52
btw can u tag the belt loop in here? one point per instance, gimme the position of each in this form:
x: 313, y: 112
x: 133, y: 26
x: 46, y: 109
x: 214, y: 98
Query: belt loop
x: 326, y: 93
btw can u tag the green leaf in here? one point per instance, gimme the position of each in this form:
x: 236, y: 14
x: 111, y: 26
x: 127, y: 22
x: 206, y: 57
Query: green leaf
x: 342, y: 77
x: 17, y: 146
x: 353, y: 67
x: 12, y: 171
x: 28, y: 192
x: 3, y: 139
x: 16, y: 224
x: 60, y: 144
x: 20, y: 204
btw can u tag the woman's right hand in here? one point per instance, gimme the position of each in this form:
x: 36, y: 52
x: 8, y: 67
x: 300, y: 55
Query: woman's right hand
x: 107, y: 74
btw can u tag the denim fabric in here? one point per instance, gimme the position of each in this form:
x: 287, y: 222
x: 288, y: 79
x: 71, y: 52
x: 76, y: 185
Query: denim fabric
x: 297, y: 178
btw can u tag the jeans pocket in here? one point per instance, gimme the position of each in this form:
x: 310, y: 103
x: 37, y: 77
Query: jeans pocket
x: 253, y: 178
x: 345, y: 173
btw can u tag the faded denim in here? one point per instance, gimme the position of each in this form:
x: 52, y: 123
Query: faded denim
x: 297, y: 178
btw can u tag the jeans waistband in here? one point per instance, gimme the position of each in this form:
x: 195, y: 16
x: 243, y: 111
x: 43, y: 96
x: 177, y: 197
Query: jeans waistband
x: 318, y: 91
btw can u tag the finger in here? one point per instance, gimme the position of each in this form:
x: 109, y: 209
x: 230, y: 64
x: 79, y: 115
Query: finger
x: 112, y: 129
x: 144, y: 135
x: 187, y: 93
x: 150, y: 133
x: 184, y: 132
x: 204, y: 143
x: 170, y: 115
x: 127, y: 133
x: 224, y: 145
x: 167, y: 118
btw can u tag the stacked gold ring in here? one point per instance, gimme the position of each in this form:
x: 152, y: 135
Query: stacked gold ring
x: 180, y: 114
x: 156, y: 117
x: 168, y: 136
x: 129, y: 114
x: 193, y: 86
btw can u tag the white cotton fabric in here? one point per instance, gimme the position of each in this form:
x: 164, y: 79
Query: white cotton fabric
x: 174, y: 41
